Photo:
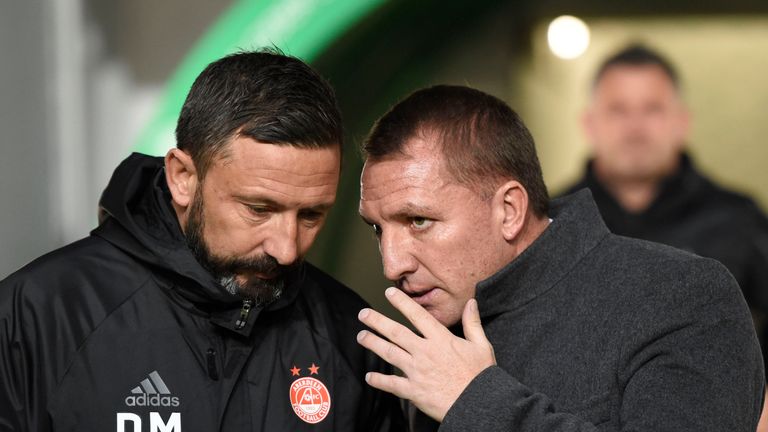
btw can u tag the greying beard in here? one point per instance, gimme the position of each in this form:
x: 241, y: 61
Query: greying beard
x: 259, y: 298
x: 224, y: 269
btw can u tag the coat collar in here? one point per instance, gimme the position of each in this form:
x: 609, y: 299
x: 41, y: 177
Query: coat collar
x: 576, y: 228
x: 137, y: 217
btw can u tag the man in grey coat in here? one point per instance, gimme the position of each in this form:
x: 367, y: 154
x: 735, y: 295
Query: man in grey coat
x: 531, y: 315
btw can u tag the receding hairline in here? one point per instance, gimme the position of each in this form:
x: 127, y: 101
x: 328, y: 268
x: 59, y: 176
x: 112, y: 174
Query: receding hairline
x: 648, y: 66
x: 612, y: 67
x: 431, y: 135
x: 222, y: 153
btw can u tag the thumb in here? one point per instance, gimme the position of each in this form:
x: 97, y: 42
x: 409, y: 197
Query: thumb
x: 470, y: 321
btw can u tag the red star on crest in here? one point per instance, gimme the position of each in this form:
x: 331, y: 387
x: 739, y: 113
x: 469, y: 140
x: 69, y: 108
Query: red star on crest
x: 313, y: 369
x: 295, y: 371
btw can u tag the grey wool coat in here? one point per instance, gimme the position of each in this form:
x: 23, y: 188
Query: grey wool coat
x: 597, y: 332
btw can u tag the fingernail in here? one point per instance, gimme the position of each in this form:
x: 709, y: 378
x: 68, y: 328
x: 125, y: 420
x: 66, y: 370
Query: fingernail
x: 363, y: 313
x: 390, y: 291
x: 361, y: 335
x: 473, y: 305
x: 368, y: 377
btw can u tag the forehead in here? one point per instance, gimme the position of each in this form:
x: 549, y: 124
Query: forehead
x: 251, y: 166
x: 627, y: 80
x: 416, y: 179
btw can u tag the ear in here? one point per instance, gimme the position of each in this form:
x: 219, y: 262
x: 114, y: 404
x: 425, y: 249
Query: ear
x: 181, y: 175
x: 588, y: 125
x: 511, y: 199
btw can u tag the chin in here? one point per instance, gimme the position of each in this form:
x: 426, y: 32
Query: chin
x: 445, y: 318
x: 633, y: 171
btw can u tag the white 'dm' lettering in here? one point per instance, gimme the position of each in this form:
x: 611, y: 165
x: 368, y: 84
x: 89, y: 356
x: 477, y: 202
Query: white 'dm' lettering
x: 156, y: 423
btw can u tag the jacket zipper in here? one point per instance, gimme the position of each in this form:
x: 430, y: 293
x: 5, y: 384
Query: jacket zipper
x: 244, y: 311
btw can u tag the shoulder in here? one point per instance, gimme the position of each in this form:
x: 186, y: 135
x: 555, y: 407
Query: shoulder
x: 82, y: 268
x: 49, y: 307
x: 737, y: 205
x: 69, y: 291
x: 647, y: 274
x: 655, y: 260
x: 647, y: 292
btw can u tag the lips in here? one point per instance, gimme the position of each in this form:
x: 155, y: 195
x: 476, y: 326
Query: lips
x: 422, y: 296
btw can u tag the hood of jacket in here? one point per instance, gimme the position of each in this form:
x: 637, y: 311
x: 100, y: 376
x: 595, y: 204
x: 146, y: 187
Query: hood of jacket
x: 136, y: 216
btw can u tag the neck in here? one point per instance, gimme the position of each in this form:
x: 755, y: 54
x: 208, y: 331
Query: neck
x: 181, y: 215
x: 633, y: 196
x: 532, y: 229
x: 633, y: 193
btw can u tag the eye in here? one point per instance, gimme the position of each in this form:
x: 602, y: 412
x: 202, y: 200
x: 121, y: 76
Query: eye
x: 311, y: 218
x: 421, y: 223
x: 259, y: 210
x: 311, y: 215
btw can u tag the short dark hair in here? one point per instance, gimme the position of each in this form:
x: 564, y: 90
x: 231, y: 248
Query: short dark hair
x: 264, y: 95
x: 480, y: 136
x: 638, y: 55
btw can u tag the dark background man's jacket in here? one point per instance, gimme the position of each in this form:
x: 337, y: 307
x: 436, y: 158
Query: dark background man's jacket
x: 598, y: 332
x: 126, y: 328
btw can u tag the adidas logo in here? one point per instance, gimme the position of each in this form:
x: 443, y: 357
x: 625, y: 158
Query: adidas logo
x: 152, y: 391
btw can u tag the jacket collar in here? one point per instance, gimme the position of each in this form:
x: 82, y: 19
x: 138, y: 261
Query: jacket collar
x: 137, y: 217
x: 576, y: 228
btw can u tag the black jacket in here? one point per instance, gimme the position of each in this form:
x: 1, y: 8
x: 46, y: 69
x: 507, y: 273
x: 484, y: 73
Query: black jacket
x: 124, y: 329
x: 598, y: 332
x: 694, y: 214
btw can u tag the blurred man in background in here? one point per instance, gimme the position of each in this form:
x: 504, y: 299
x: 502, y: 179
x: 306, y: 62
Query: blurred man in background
x: 646, y: 184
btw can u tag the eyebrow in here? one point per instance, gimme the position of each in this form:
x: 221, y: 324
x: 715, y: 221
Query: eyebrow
x: 411, y: 209
x: 272, y: 203
x: 406, y: 211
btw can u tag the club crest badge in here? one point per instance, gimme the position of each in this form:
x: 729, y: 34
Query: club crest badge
x: 309, y: 396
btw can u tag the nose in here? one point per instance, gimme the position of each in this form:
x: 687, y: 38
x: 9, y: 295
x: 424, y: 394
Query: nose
x: 283, y: 241
x: 638, y: 118
x: 396, y: 257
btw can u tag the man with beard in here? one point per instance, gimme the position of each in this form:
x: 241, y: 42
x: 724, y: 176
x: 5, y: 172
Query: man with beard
x: 646, y: 184
x: 531, y: 315
x: 190, y: 305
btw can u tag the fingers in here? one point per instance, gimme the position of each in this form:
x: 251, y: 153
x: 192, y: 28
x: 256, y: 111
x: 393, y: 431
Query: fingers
x: 473, y: 327
x: 390, y: 329
x: 394, y: 384
x: 470, y: 321
x: 388, y: 351
x: 417, y: 315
